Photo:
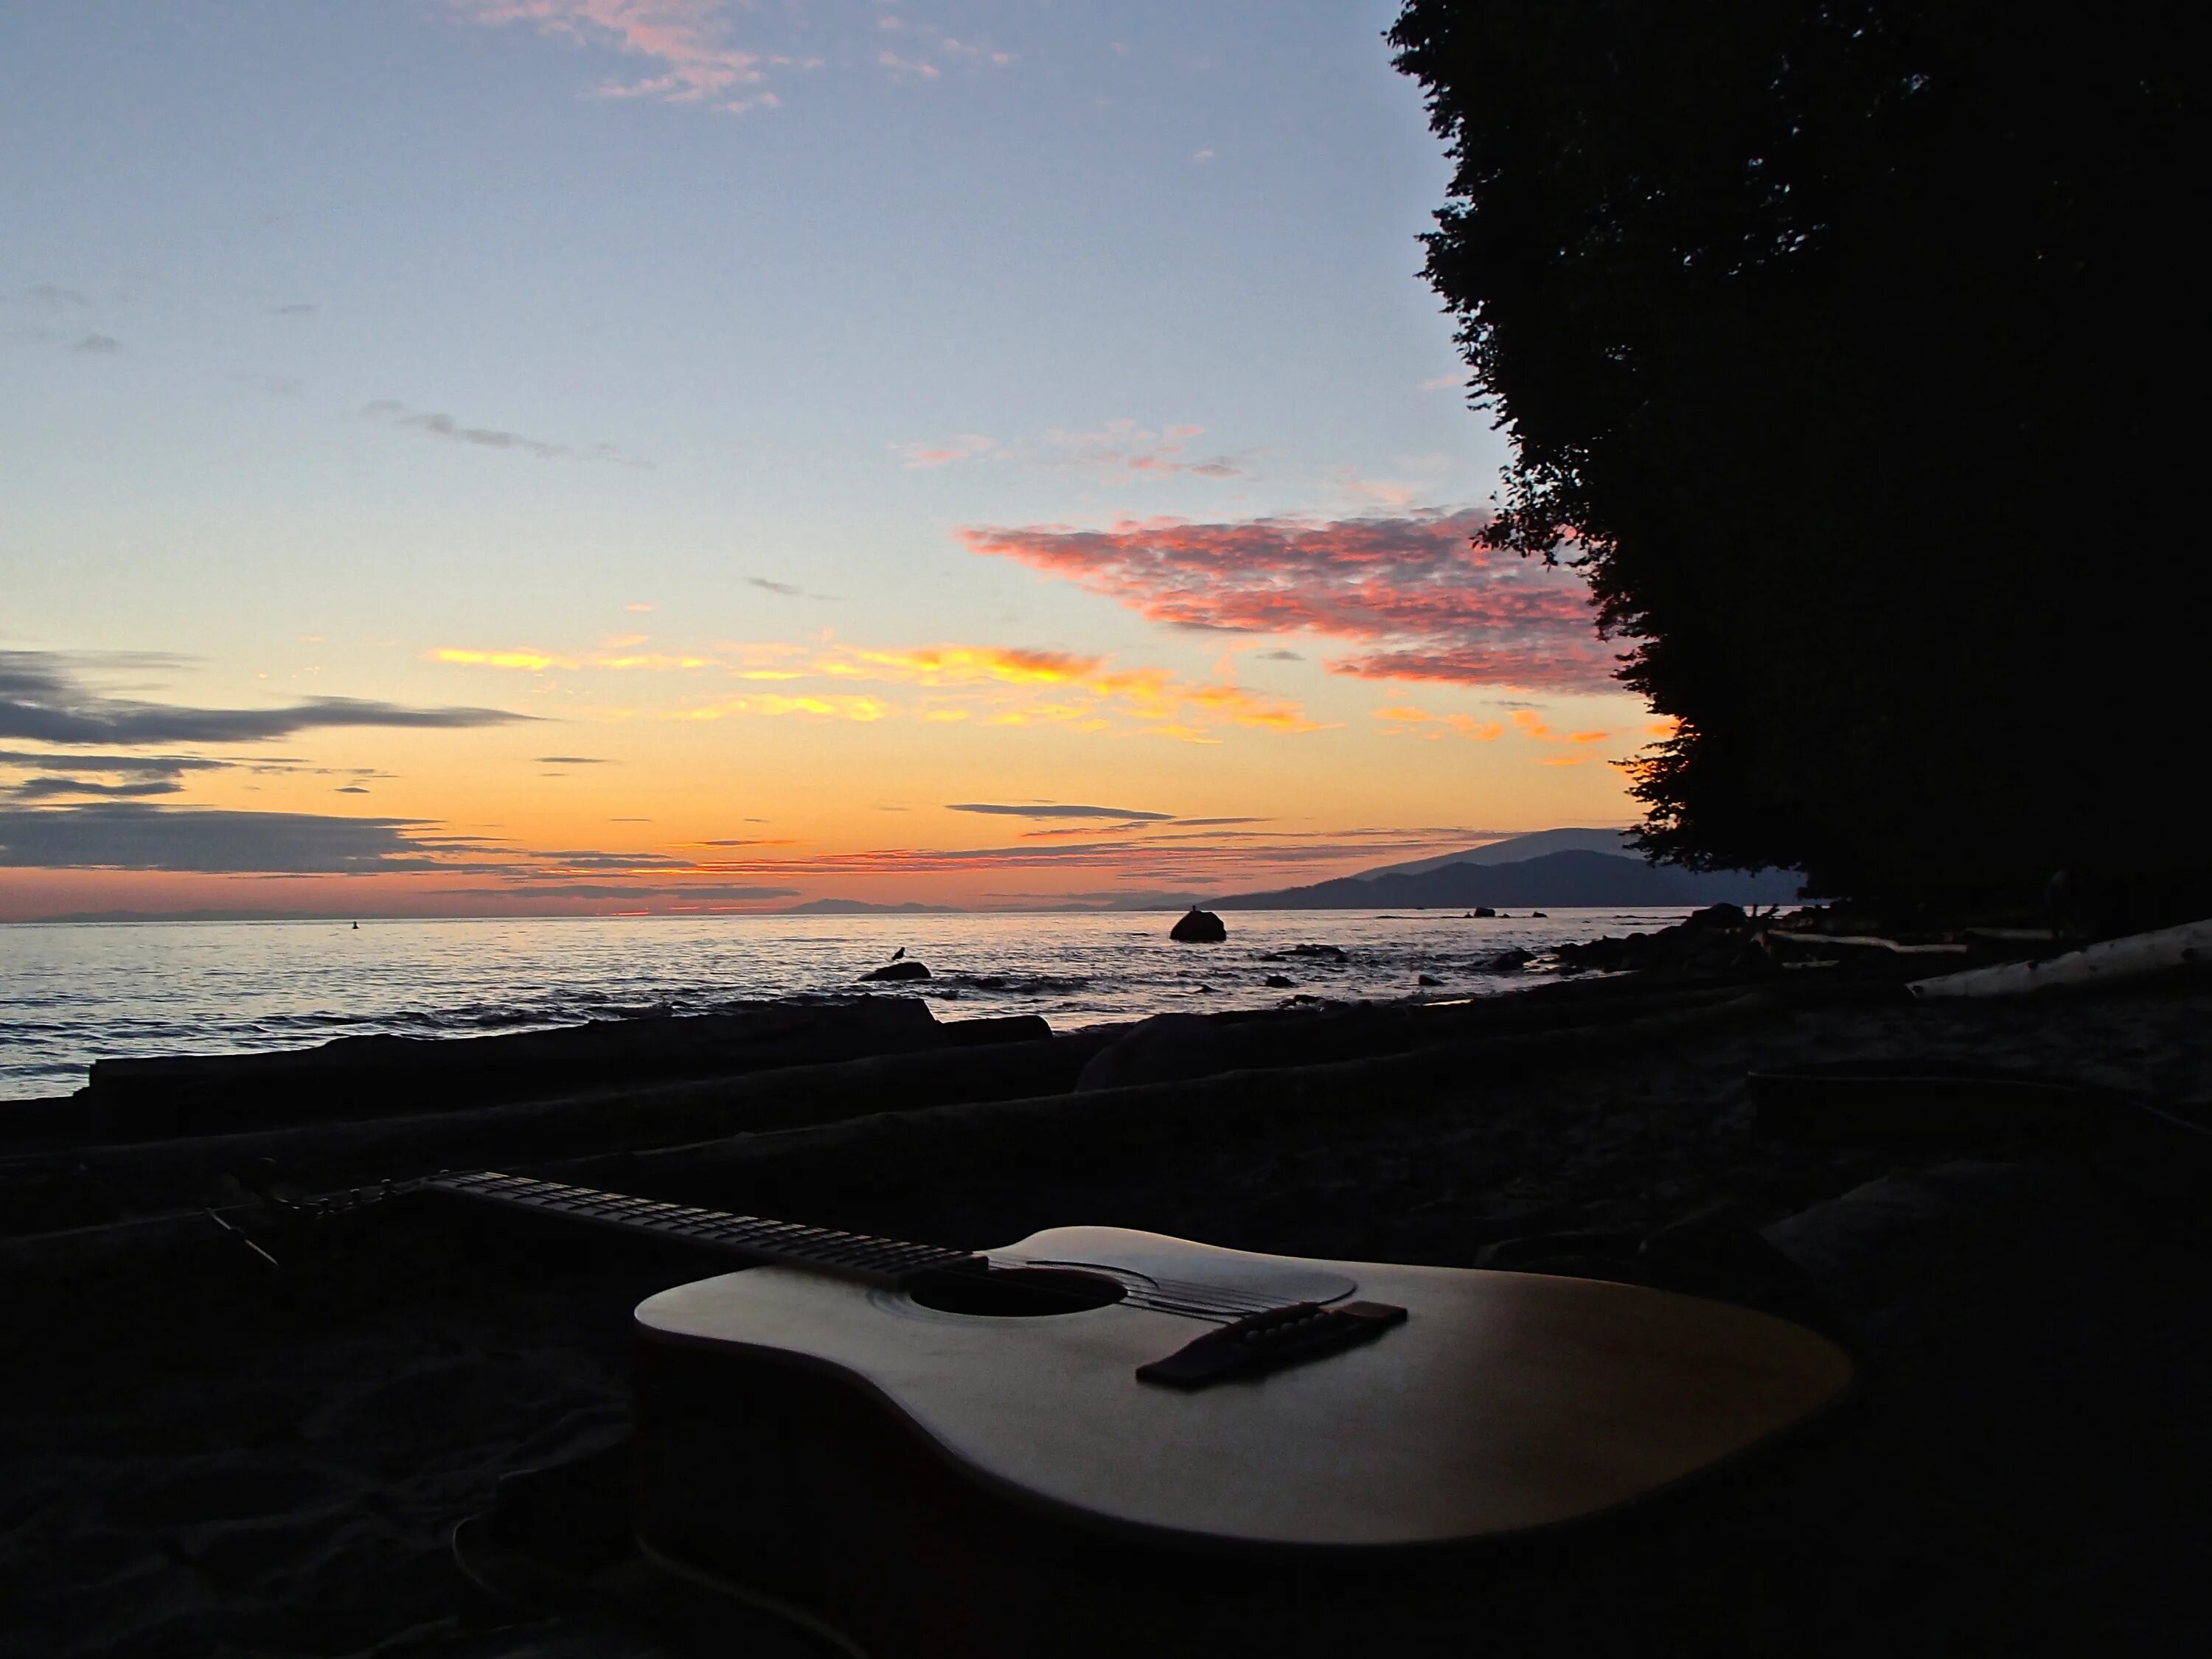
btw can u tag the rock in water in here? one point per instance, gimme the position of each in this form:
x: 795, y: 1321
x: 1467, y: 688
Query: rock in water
x: 907, y: 970
x: 1198, y: 927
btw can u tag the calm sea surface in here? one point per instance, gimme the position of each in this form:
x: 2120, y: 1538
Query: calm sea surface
x: 72, y: 993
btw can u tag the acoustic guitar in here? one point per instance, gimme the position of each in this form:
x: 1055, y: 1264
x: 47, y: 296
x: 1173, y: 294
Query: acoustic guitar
x: 1104, y: 1442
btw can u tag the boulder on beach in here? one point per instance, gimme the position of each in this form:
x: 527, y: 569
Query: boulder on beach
x: 1717, y: 915
x: 1197, y: 927
x: 1166, y: 1049
x: 904, y: 969
x: 365, y: 1077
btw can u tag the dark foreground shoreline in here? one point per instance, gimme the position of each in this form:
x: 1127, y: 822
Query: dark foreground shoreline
x: 208, y: 1455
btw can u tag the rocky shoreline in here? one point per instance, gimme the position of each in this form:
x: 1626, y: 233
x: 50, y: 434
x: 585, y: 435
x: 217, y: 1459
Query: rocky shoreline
x: 208, y: 1453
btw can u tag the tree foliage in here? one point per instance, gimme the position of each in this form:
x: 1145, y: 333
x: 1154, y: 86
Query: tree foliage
x: 1847, y: 344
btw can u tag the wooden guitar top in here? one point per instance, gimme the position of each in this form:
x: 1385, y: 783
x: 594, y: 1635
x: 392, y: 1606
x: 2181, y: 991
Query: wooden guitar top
x: 1505, y: 1402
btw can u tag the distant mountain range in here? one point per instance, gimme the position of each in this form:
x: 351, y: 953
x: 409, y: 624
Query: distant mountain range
x: 1516, y: 849
x: 1563, y: 867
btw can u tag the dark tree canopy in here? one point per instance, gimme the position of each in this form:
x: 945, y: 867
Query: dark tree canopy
x: 1853, y: 347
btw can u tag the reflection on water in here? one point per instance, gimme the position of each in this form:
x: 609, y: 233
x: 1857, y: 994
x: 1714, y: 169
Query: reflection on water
x: 73, y: 993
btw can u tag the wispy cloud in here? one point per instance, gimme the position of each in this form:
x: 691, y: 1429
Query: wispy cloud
x: 1071, y: 688
x: 686, y: 42
x: 1405, y: 720
x: 786, y: 590
x: 995, y: 686
x: 56, y: 774
x: 1055, y: 810
x: 97, y: 345
x: 1411, y: 586
x: 1119, y: 447
x: 693, y: 893
x: 858, y: 707
x: 690, y: 53
x: 1533, y: 725
x: 43, y: 698
x: 617, y: 659
x: 432, y: 424
x: 943, y: 451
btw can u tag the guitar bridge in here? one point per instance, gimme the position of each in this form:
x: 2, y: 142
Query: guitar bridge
x: 1262, y: 1341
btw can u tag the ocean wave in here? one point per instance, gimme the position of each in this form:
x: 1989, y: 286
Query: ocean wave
x: 84, y: 994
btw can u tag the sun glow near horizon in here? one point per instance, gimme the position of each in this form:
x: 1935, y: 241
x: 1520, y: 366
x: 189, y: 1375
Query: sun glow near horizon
x: 445, y: 555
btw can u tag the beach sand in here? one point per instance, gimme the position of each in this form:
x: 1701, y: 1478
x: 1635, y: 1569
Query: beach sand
x: 271, y: 1464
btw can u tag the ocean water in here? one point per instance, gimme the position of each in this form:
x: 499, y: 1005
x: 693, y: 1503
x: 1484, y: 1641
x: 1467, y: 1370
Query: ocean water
x: 70, y: 993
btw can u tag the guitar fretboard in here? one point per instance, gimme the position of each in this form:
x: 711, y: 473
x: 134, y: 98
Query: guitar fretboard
x: 751, y: 1238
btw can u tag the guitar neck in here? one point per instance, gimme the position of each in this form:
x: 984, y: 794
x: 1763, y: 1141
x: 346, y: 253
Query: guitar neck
x: 751, y: 1239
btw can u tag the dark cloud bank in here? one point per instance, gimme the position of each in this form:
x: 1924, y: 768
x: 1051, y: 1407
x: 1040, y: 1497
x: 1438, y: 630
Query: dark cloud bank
x: 42, y: 699
x: 114, y: 834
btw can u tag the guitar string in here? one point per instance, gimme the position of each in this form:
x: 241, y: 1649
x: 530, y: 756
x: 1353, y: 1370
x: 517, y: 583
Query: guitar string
x: 1164, y: 1296
x: 788, y: 1240
x: 849, y: 1250
x: 785, y: 1241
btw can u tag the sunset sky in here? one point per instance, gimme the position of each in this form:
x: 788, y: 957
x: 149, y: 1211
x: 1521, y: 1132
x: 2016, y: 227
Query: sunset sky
x: 489, y: 456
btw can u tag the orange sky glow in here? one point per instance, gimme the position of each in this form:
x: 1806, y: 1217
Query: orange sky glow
x: 785, y: 453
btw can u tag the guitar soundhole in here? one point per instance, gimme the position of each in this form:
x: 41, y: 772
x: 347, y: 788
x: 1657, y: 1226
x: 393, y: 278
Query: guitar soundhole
x: 1015, y: 1292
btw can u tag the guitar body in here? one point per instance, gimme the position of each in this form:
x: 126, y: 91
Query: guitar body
x: 930, y: 1479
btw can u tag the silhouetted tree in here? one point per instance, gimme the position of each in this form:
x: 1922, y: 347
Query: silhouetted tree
x: 1852, y: 346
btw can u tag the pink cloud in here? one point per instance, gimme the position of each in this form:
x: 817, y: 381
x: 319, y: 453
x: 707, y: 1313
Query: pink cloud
x: 1410, y: 588
x: 968, y: 447
x: 684, y: 37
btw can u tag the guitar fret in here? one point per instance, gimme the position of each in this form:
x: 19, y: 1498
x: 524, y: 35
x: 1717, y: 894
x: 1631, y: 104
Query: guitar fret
x: 757, y: 1237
